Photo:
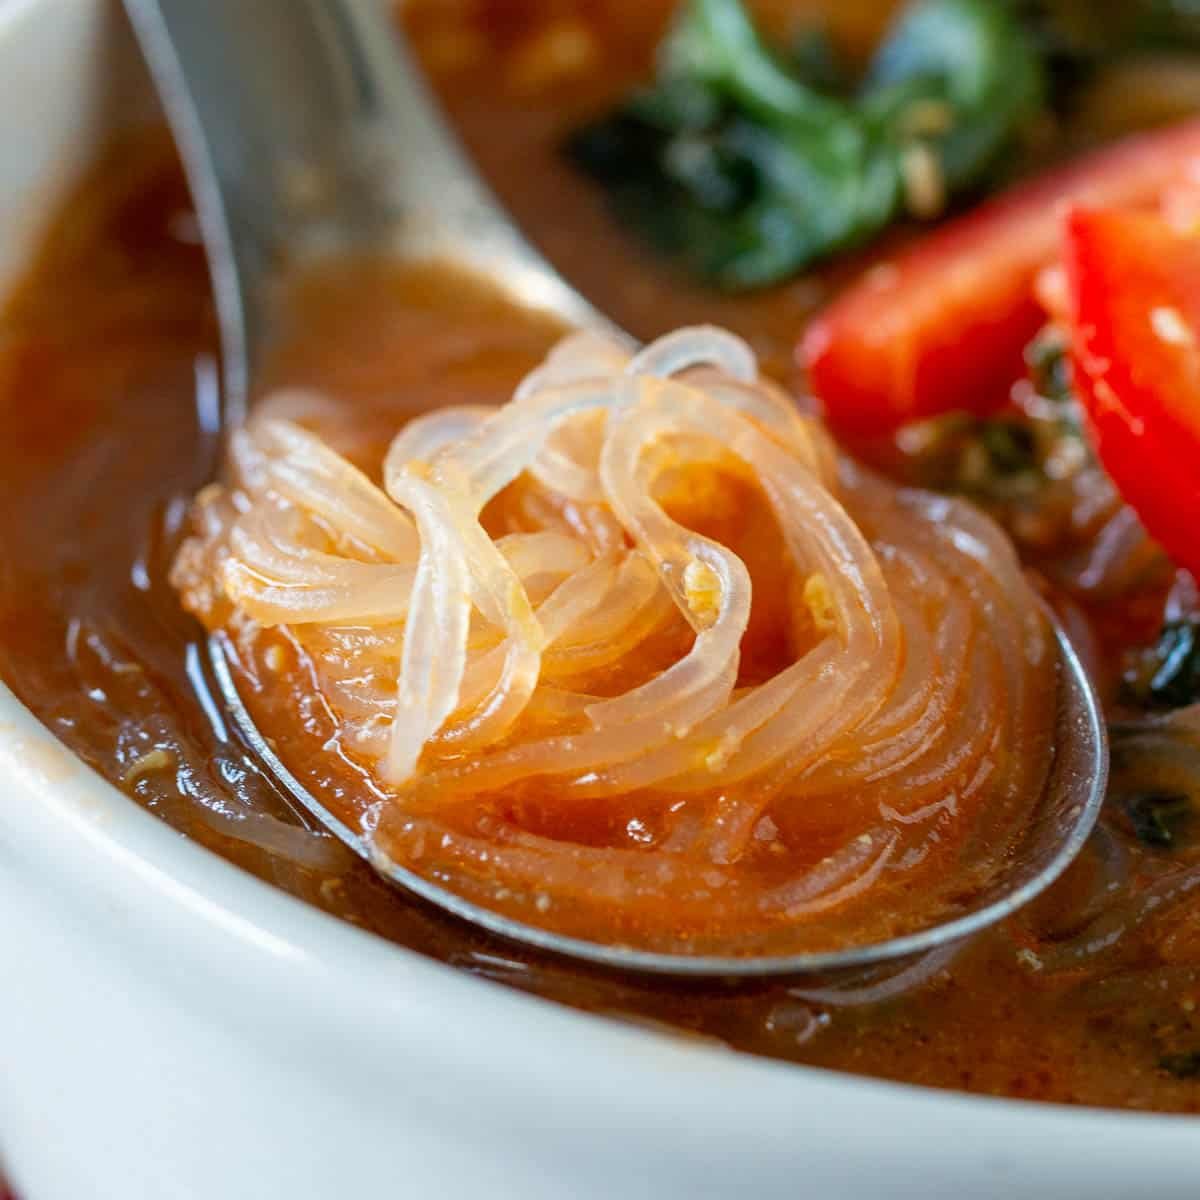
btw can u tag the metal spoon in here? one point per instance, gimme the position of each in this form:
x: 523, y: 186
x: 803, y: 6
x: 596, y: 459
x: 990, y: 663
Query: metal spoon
x: 305, y: 128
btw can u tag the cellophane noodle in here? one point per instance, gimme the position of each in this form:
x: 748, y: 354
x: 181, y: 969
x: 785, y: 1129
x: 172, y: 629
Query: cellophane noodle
x: 638, y: 655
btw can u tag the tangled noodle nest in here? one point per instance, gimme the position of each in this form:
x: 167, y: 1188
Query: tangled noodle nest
x: 521, y: 626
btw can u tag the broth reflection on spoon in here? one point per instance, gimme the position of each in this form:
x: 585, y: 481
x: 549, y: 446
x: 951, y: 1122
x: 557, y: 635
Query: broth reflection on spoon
x: 300, y: 124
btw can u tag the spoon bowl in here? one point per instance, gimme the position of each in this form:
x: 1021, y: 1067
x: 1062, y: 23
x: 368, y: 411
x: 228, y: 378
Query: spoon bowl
x: 306, y: 130
x: 1061, y: 824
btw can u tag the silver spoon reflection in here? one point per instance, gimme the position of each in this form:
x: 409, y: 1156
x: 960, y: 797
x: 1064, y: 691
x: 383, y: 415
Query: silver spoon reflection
x: 305, y: 130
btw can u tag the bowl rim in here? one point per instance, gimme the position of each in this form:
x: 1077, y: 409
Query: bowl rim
x: 90, y: 846
x: 78, y: 832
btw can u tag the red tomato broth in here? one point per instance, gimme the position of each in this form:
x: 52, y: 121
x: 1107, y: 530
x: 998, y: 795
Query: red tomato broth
x: 92, y: 640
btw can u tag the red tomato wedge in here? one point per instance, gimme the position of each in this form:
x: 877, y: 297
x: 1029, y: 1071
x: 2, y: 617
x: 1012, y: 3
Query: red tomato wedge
x: 1134, y: 285
x: 943, y: 325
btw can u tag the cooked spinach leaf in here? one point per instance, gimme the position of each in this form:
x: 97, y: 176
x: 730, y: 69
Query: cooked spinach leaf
x: 1158, y: 818
x: 1049, y: 367
x: 1078, y: 39
x: 814, y: 60
x: 1181, y: 1066
x: 1009, y: 464
x: 1154, y: 784
x: 1081, y: 31
x: 1168, y: 675
x: 749, y: 165
x: 1010, y: 446
x: 1166, y: 22
x: 969, y: 56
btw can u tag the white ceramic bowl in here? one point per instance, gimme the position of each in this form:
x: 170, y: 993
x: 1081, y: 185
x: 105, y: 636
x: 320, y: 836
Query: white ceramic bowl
x: 171, y: 1028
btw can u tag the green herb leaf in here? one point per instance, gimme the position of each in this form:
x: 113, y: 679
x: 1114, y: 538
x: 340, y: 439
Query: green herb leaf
x: 1083, y: 30
x: 1078, y: 39
x: 1158, y: 818
x: 814, y: 60
x: 1168, y: 23
x: 1168, y: 675
x: 1010, y: 446
x: 749, y: 167
x: 1001, y: 462
x: 715, y: 45
x: 1181, y: 1066
x: 971, y: 57
x: 1050, y: 367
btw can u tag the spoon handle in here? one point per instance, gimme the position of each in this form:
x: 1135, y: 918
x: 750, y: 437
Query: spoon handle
x: 305, y: 127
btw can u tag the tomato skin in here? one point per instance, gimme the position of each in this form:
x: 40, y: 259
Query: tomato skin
x: 1134, y: 284
x: 944, y: 324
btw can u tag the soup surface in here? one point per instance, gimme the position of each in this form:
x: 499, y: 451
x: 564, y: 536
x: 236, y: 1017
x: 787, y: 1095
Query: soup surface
x: 108, y: 399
